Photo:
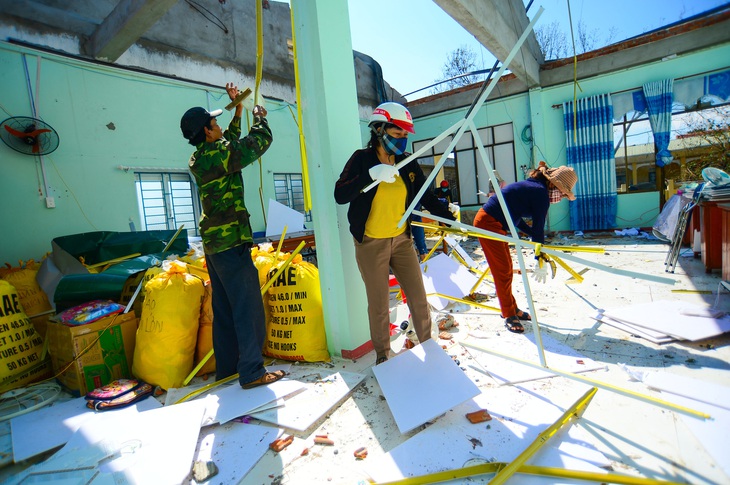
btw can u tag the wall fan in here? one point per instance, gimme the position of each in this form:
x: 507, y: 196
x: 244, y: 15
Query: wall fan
x: 30, y: 136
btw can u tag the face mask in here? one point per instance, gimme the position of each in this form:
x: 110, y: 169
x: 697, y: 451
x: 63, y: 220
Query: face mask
x: 555, y: 195
x: 392, y: 145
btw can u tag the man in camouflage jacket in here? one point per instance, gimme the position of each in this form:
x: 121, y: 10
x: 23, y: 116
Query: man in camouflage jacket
x: 239, y: 326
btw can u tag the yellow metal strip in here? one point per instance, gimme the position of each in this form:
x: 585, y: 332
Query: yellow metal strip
x: 596, y: 383
x: 489, y: 468
x: 499, y: 237
x: 300, y: 125
x: 561, y: 251
x: 430, y: 253
x: 479, y: 281
x: 174, y: 236
x: 468, y: 302
x: 591, y: 476
x: 461, y: 260
x: 113, y: 261
x: 576, y: 276
x: 574, y: 280
x: 574, y: 412
x: 198, y: 367
x: 281, y: 242
x: 197, y: 392
x: 283, y: 267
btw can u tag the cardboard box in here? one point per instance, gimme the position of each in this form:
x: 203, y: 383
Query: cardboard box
x: 110, y: 343
x: 40, y: 323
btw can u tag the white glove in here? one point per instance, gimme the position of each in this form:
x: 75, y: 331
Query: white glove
x: 383, y: 173
x: 540, y: 274
x: 453, y: 208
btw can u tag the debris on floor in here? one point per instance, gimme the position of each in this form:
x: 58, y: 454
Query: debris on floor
x: 478, y: 416
x: 280, y: 443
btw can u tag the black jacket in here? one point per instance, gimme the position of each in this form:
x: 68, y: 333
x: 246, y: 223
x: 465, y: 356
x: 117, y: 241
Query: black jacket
x: 355, y: 176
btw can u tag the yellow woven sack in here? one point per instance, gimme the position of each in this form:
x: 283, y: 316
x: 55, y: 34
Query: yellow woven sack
x: 205, y: 333
x: 168, y: 328
x: 32, y: 297
x: 20, y: 345
x: 295, y: 328
x: 263, y: 259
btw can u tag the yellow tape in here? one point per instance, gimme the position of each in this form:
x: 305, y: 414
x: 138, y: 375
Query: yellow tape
x: 302, y: 140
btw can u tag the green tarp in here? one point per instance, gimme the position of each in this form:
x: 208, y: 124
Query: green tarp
x: 78, y: 286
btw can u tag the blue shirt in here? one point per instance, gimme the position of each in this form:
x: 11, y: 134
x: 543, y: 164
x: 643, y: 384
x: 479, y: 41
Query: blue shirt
x: 526, y: 198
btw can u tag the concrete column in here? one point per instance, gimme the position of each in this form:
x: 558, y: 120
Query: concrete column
x: 332, y: 131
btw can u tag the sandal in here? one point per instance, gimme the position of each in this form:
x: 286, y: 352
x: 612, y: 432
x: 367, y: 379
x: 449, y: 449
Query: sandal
x: 524, y: 316
x: 267, y: 378
x: 513, y: 324
x: 381, y: 359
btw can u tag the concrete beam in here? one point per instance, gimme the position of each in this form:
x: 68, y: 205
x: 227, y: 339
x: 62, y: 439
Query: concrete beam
x: 497, y: 24
x: 603, y: 61
x: 129, y: 20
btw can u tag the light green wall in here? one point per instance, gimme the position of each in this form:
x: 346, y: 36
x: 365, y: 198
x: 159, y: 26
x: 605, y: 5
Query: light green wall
x: 535, y: 108
x: 81, y: 101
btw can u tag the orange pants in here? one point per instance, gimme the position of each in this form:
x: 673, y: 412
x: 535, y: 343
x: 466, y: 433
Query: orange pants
x: 499, y: 260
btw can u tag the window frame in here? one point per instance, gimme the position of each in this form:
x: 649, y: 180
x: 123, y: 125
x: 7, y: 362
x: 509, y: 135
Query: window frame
x: 167, y: 201
x: 467, y: 150
x: 289, y: 191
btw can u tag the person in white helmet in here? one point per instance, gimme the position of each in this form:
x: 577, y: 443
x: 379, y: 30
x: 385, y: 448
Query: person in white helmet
x: 380, y: 245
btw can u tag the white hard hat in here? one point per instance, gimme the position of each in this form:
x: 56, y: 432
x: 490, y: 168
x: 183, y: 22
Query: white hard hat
x: 393, y: 113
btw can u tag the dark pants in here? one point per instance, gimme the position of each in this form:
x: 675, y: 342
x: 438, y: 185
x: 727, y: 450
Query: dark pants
x: 239, y: 324
x: 419, y: 236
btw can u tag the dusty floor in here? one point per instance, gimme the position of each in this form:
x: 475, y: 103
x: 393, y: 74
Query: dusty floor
x: 640, y: 439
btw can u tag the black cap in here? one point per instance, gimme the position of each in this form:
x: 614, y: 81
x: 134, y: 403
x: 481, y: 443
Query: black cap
x: 195, y: 119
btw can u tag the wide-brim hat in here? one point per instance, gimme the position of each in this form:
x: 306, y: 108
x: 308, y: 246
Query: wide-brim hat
x: 564, y: 178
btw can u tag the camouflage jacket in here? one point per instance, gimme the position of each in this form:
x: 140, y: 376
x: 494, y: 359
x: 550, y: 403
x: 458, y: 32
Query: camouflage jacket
x: 217, y: 167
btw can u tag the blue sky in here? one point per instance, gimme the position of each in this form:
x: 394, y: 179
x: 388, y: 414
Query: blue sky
x: 411, y: 39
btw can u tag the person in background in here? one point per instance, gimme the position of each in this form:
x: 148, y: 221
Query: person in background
x: 239, y: 326
x: 527, y: 198
x: 380, y: 245
x: 419, y: 235
x: 443, y: 191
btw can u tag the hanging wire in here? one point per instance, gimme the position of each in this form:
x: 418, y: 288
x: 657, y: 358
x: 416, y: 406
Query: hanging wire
x: 576, y: 86
x: 30, y: 88
x: 207, y: 14
x: 257, y: 84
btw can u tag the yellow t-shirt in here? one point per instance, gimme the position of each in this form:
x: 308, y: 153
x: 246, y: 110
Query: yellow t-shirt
x: 388, y: 208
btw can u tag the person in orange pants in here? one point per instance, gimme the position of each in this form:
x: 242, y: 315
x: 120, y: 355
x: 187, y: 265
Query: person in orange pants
x: 527, y: 198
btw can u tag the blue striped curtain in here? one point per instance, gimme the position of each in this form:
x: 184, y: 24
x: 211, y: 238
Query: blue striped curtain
x: 589, y: 147
x: 659, y: 104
